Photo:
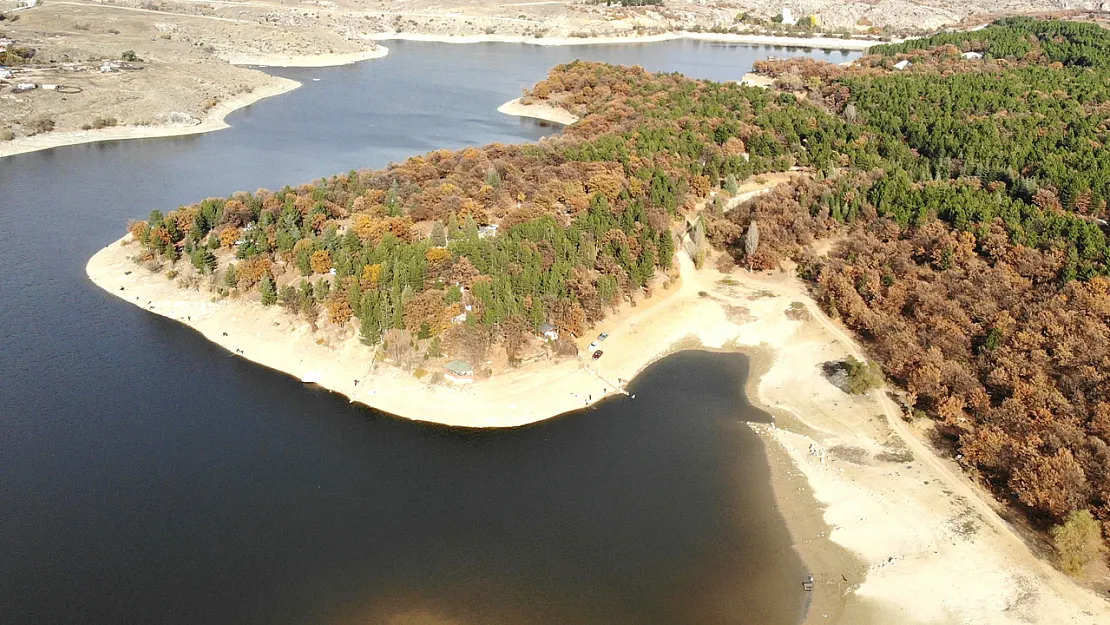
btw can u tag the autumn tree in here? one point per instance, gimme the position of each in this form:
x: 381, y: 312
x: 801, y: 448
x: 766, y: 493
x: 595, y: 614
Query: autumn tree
x: 321, y: 261
x: 1078, y: 542
x: 339, y: 307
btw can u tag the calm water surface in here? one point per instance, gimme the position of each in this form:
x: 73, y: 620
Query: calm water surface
x: 146, y: 476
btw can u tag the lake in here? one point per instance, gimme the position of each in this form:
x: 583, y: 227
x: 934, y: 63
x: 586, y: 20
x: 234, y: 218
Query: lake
x: 148, y: 476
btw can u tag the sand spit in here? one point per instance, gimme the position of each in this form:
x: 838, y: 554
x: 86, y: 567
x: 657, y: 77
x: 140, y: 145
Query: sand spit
x: 544, y: 112
x: 825, y: 43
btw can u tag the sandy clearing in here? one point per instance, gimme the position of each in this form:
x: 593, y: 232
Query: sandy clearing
x: 545, y: 112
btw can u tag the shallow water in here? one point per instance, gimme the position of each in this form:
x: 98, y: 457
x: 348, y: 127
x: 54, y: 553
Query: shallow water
x: 147, y: 476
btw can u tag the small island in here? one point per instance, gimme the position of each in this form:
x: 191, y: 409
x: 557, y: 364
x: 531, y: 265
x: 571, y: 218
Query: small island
x: 942, y: 201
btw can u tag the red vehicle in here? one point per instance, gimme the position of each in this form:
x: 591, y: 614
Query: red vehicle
x: 597, y: 354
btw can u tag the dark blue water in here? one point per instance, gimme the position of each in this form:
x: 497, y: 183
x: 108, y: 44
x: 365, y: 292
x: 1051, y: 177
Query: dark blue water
x: 146, y: 476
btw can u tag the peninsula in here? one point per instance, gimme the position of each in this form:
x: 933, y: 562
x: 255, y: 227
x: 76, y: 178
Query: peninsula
x: 943, y: 199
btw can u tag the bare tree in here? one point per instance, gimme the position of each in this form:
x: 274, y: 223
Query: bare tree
x: 851, y: 114
x: 751, y: 242
x: 699, y: 242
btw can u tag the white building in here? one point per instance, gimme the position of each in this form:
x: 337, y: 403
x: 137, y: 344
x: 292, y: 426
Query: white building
x: 972, y: 56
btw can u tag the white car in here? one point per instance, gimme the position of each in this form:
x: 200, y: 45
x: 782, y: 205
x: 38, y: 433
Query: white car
x: 594, y: 345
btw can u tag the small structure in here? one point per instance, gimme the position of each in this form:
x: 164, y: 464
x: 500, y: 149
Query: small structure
x: 50, y: 87
x: 459, y: 318
x: 24, y: 86
x: 972, y: 56
x: 487, y: 231
x: 901, y: 65
x: 107, y: 67
x: 5, y: 73
x: 548, y: 331
x: 459, y: 372
x: 788, y: 17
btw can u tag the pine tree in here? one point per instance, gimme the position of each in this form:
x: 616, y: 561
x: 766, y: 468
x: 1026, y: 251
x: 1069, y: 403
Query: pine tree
x: 231, y: 276
x: 731, y: 185
x: 393, y: 200
x: 439, y: 235
x: 269, y: 292
x: 452, y: 226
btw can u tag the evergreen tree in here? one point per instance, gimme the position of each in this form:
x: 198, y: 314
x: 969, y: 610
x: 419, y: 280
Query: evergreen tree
x: 231, y: 276
x: 452, y: 226
x: 439, y: 235
x: 269, y: 293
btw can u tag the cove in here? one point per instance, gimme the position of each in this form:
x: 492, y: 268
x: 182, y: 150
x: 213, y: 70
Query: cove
x: 149, y: 476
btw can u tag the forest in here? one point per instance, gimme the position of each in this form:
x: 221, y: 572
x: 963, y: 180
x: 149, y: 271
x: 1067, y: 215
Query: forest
x: 966, y: 194
x: 972, y: 260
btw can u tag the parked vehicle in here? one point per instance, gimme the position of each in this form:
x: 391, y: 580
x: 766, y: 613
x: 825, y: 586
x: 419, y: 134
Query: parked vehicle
x: 598, y: 354
x: 602, y: 336
x: 594, y: 345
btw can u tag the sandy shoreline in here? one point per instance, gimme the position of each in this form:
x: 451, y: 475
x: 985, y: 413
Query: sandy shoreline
x: 214, y: 120
x: 544, y: 112
x: 764, y: 40
x: 891, y: 533
x: 310, y: 60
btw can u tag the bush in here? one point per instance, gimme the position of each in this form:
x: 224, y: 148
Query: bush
x: 1078, y: 542
x: 130, y: 56
x: 852, y: 376
x: 6, y: 135
x: 41, y: 124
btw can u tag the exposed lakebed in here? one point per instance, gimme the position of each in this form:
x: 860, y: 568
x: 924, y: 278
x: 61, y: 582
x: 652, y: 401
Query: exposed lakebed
x: 149, y: 476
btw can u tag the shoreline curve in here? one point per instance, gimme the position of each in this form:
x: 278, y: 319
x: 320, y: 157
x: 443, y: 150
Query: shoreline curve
x: 828, y: 43
x: 214, y: 120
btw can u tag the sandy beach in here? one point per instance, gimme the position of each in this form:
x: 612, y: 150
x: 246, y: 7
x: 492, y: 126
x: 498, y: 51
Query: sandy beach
x: 544, y: 112
x: 828, y: 43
